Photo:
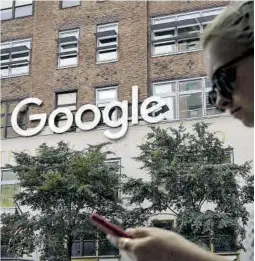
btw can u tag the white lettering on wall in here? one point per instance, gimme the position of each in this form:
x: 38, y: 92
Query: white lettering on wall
x: 113, y: 120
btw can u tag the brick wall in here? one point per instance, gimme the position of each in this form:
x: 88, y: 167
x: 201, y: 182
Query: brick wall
x: 135, y: 66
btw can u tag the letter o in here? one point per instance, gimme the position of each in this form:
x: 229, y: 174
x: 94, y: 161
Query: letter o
x: 68, y: 124
x: 92, y: 124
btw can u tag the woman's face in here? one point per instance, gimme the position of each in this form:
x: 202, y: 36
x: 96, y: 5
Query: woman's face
x: 241, y: 106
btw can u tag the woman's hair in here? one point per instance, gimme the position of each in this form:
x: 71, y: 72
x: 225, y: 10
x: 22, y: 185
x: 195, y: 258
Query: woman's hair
x: 234, y: 25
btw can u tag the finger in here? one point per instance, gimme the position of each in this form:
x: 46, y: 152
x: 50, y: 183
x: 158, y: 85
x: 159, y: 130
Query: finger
x: 138, y: 232
x: 125, y: 244
x: 113, y: 240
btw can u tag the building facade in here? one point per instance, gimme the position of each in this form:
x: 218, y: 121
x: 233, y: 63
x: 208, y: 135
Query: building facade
x: 73, y: 53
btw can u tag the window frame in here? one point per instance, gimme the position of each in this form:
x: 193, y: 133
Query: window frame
x: 174, y: 19
x: 14, y: 182
x: 13, y: 10
x: 73, y: 127
x: 7, y: 114
x: 61, y: 4
x: 59, y: 48
x: 27, y: 41
x: 178, y: 94
x: 114, y: 24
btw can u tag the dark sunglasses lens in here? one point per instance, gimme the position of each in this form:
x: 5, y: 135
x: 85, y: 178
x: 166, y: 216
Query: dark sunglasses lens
x: 212, y: 97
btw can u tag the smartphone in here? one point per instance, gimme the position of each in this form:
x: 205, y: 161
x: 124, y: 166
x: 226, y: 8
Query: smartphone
x: 108, y: 227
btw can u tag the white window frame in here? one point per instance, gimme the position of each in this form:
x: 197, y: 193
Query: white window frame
x: 15, y: 6
x: 186, y: 93
x: 61, y: 53
x: 175, y: 18
x: 7, y: 182
x: 102, y: 28
x: 167, y: 95
x: 11, y: 44
x: 71, y: 106
x: 107, y: 101
x: 203, y: 92
x: 64, y: 7
x: 116, y: 160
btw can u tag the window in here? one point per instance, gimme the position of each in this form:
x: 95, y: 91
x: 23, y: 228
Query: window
x: 6, y: 112
x: 66, y: 100
x: 70, y: 3
x: 179, y: 33
x: 84, y: 248
x: 186, y: 98
x: 9, y: 187
x: 106, y: 95
x: 107, y: 42
x: 190, y: 99
x: 15, y: 58
x: 11, y: 9
x: 68, y: 48
x: 115, y: 165
x: 167, y: 91
x: 164, y: 224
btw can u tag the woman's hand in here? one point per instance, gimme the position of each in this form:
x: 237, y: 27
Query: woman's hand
x: 153, y: 244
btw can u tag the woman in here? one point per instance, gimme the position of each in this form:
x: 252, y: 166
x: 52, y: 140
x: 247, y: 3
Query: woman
x: 228, y: 50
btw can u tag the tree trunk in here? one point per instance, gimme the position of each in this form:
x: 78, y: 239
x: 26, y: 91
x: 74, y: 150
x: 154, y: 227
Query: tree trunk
x: 69, y: 247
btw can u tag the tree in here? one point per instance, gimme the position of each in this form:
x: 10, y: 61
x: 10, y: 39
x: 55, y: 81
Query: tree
x: 192, y: 177
x: 62, y: 187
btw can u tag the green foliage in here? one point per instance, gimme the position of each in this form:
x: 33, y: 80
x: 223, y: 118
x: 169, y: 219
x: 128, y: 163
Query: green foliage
x: 63, y: 187
x: 190, y: 172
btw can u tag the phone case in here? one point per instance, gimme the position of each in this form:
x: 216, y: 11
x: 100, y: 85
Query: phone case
x: 108, y: 227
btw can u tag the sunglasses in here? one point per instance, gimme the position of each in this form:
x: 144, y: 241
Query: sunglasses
x: 224, y: 79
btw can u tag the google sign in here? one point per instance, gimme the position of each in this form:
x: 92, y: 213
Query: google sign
x: 148, y: 107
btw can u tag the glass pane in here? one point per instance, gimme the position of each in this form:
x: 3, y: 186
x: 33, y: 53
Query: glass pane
x: 19, y: 69
x: 107, y: 27
x: 4, y: 71
x: 3, y: 108
x: 108, y: 55
x: 107, y: 41
x: 2, y: 133
x: 8, y: 175
x: 106, y: 248
x: 164, y: 88
x: 189, y: 29
x: 23, y: 2
x: 7, y: 194
x: 69, y: 47
x: 67, y: 61
x: 191, y: 85
x: 164, y: 48
x: 164, y: 224
x: 210, y: 109
x: 70, y: 3
x: 6, y: 14
x: 69, y: 33
x: 171, y: 104
x: 167, y: 33
x: 191, y: 105
x: 19, y: 56
x: 23, y: 11
x: 6, y: 4
x: 208, y: 84
x: 5, y: 57
x: 107, y: 94
x: 76, y: 249
x: 66, y: 98
x: 11, y: 133
x: 188, y: 16
x: 11, y: 106
x: 89, y: 248
x: 188, y: 44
